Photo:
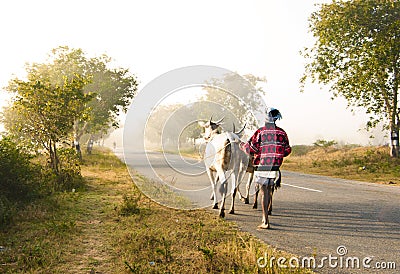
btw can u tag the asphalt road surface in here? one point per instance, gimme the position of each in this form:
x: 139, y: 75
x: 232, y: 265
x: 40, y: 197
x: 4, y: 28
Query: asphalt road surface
x: 312, y: 215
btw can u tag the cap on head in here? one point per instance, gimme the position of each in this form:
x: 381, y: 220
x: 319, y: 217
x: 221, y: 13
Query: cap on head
x: 273, y: 114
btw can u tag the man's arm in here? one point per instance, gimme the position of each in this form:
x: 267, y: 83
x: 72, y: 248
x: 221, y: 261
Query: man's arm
x: 288, y: 149
x: 252, y: 145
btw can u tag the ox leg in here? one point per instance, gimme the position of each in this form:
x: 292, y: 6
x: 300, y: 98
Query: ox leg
x: 248, y: 184
x: 212, y: 191
x: 223, y: 190
x: 270, y: 202
x: 233, y: 193
x: 235, y: 188
x: 213, y: 181
x: 246, y: 199
x: 241, y: 197
x: 257, y: 189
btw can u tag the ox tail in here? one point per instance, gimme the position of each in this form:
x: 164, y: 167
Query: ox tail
x: 279, y: 180
x: 226, y: 154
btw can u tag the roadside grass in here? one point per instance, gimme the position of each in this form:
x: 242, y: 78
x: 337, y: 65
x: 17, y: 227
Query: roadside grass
x: 160, y: 192
x: 369, y: 164
x: 109, y: 226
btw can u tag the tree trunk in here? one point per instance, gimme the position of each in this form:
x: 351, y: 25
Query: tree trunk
x: 56, y: 161
x: 77, y: 146
x: 78, y: 132
x: 395, y: 124
x: 53, y: 156
x: 394, y: 152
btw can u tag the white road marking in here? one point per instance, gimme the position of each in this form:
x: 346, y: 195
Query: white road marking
x: 305, y: 188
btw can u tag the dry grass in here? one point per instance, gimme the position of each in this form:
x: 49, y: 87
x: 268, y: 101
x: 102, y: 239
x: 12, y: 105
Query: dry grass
x: 370, y: 164
x: 110, y: 227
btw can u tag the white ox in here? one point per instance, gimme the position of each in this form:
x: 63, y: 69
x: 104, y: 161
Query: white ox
x: 223, y: 159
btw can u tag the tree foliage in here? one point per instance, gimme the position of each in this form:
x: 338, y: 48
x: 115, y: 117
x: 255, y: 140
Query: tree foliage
x: 357, y: 53
x: 66, y: 97
x: 324, y: 143
x: 231, y: 97
x: 232, y: 107
x: 155, y: 127
x: 43, y: 113
x: 113, y: 87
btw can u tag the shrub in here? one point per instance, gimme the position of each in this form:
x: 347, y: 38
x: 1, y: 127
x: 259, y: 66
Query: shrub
x: 324, y: 143
x: 17, y: 174
x: 7, y: 211
x: 69, y: 176
x: 129, y: 206
x: 18, y: 179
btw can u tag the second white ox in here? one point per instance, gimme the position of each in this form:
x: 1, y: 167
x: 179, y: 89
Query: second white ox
x: 223, y: 159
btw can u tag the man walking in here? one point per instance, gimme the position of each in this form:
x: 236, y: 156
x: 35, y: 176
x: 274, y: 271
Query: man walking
x: 268, y: 145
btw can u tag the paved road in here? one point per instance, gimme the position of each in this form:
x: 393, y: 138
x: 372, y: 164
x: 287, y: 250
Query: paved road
x: 312, y: 215
x: 316, y: 214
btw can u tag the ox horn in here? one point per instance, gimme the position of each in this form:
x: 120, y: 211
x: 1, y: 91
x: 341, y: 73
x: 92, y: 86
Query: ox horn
x: 233, y: 130
x: 240, y: 131
x: 219, y: 121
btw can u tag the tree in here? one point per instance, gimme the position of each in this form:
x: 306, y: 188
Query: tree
x: 324, y: 144
x: 43, y: 113
x: 113, y: 88
x: 156, y: 127
x: 357, y: 53
x: 232, y: 106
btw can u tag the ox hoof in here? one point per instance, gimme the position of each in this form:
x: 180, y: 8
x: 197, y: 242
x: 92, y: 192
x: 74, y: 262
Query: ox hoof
x: 212, y: 197
x: 232, y: 211
x: 215, y: 206
x: 222, y: 214
x: 255, y: 206
x: 245, y: 200
x: 269, y: 212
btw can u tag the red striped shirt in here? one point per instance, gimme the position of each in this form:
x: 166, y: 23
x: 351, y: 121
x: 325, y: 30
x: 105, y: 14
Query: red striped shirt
x: 269, y: 145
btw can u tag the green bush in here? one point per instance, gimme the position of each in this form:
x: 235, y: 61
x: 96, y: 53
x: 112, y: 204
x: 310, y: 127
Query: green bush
x: 129, y: 206
x: 69, y: 176
x: 18, y: 179
x: 24, y: 178
x: 7, y: 211
x: 17, y: 174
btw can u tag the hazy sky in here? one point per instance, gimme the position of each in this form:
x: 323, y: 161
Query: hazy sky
x: 152, y: 37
